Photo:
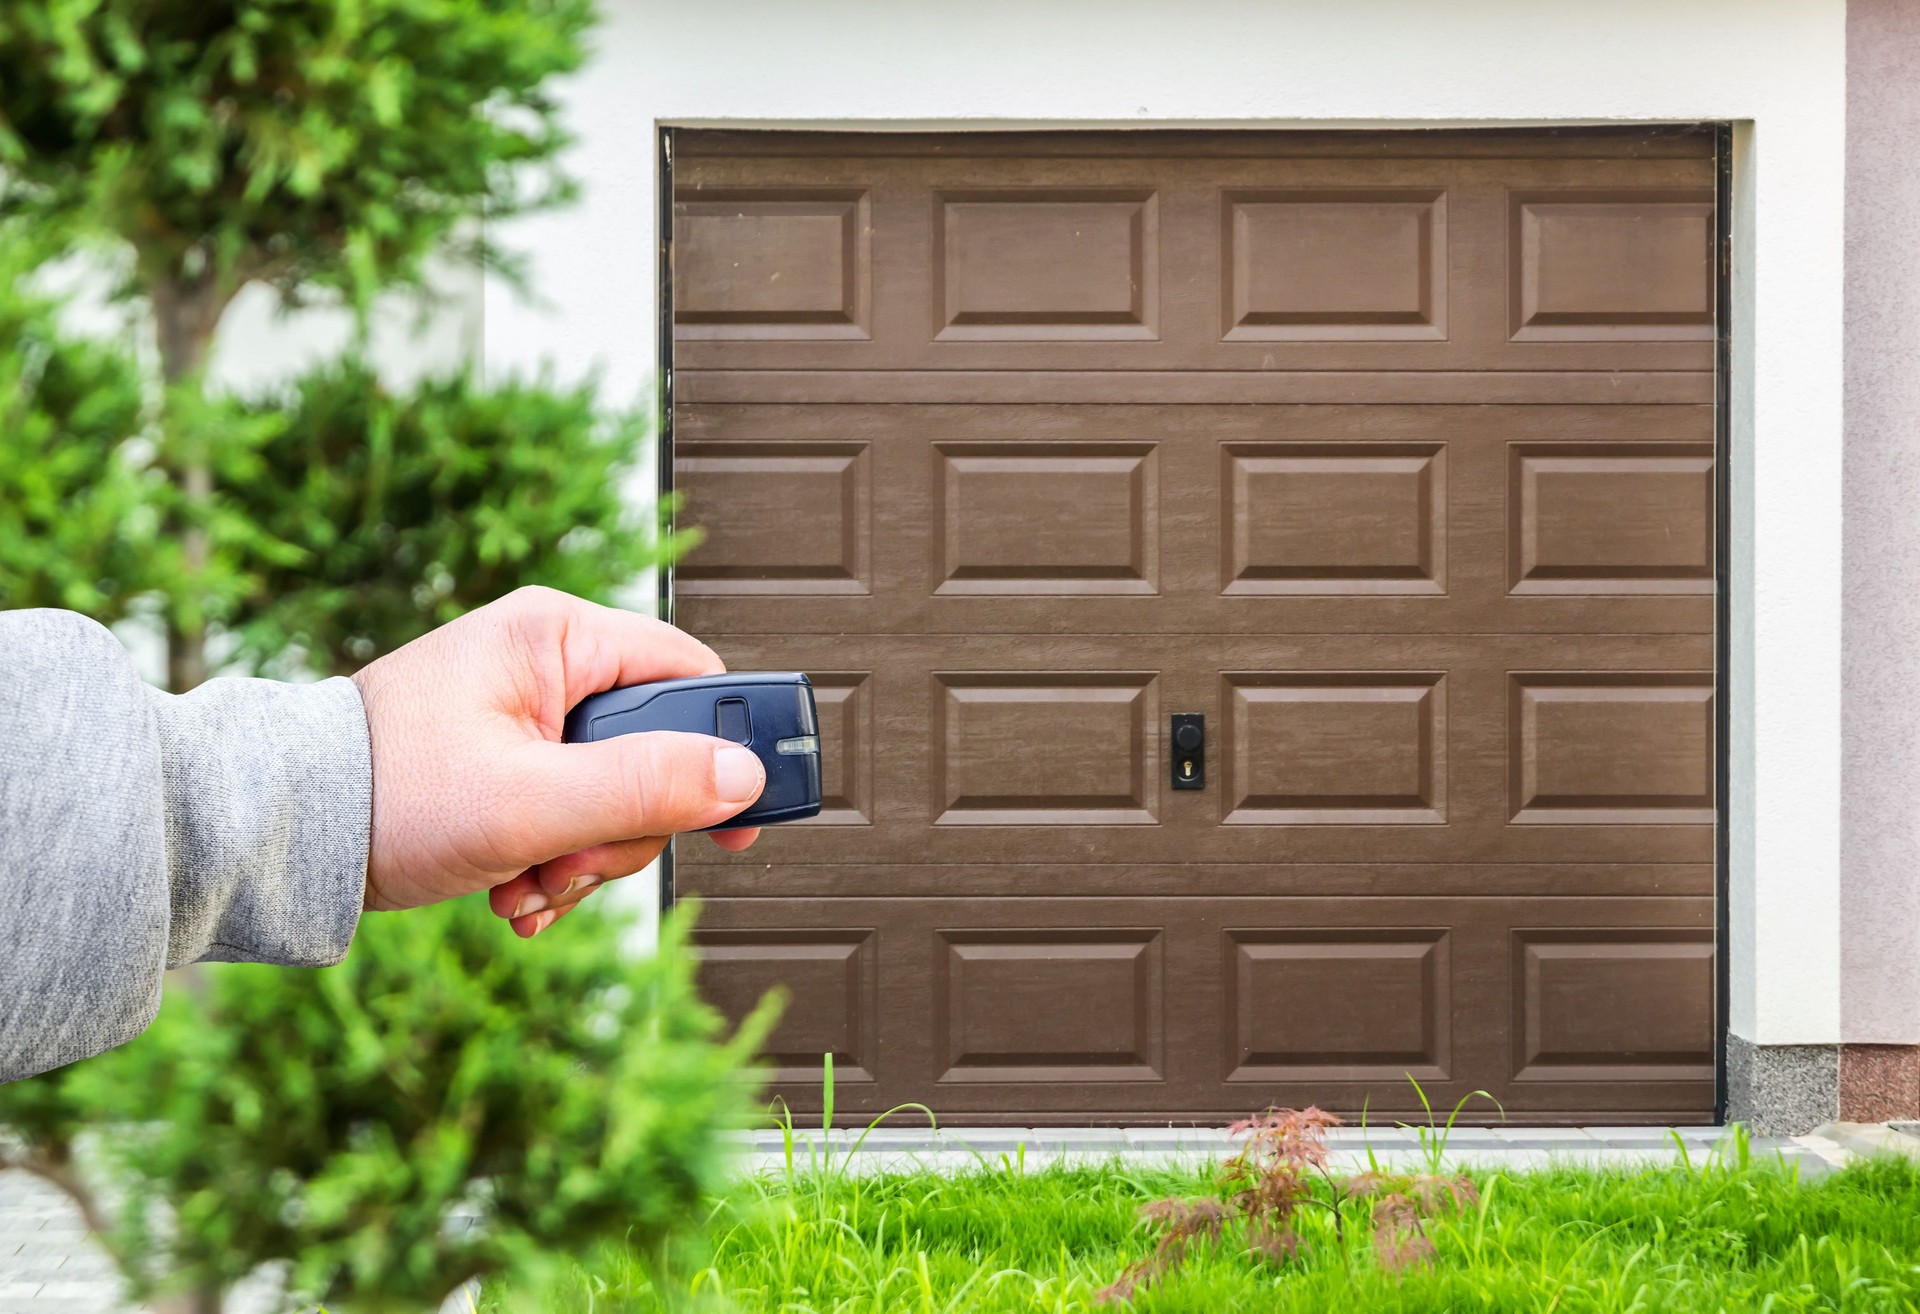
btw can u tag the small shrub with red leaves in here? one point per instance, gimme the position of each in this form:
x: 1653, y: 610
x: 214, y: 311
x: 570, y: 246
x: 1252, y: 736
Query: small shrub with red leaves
x: 1280, y: 1171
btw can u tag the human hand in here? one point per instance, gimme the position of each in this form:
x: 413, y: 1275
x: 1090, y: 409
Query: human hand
x: 473, y: 790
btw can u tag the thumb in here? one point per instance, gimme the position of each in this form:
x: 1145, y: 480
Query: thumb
x: 632, y: 786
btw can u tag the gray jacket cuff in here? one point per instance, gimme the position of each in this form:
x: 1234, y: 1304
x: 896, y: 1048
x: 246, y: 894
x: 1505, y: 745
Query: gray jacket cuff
x: 268, y: 802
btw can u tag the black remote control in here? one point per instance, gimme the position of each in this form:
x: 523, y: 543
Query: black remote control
x: 771, y: 713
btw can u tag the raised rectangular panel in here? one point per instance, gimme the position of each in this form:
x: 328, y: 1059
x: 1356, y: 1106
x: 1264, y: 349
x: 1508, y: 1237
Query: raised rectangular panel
x: 1620, y: 748
x: 1335, y: 748
x: 1069, y: 748
x: 1353, y: 518
x: 1338, y: 1004
x: 1049, y: 1005
x: 778, y: 518
x: 1611, y: 518
x: 1363, y: 264
x: 1046, y: 264
x: 1040, y: 518
x: 1634, y: 1004
x: 830, y: 977
x: 1598, y: 266
x: 844, y: 702
x: 771, y: 264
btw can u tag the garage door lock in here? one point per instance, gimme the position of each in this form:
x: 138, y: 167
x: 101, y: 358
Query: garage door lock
x: 1189, y: 756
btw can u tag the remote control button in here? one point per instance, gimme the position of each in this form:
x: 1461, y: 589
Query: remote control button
x: 732, y: 721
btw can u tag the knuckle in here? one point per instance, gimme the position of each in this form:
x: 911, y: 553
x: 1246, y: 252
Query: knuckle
x: 536, y: 600
x: 668, y: 780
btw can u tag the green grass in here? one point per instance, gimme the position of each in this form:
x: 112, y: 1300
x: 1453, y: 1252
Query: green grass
x: 1731, y: 1237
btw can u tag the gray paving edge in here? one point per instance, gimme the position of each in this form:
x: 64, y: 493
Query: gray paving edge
x: 1870, y: 1138
x: 905, y: 1149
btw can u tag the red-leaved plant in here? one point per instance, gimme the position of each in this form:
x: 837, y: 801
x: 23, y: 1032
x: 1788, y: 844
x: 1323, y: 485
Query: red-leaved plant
x: 1281, y: 1170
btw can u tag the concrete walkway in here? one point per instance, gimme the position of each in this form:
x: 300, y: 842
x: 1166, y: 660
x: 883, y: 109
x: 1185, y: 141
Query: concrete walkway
x: 48, y: 1265
x: 893, y: 1148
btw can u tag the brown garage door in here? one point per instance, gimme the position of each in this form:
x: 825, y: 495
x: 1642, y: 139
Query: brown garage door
x: 1392, y: 455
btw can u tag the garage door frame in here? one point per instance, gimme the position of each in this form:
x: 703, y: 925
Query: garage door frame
x: 1723, y: 536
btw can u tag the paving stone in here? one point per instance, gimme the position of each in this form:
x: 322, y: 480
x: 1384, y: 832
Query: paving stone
x: 31, y: 1268
x: 1458, y: 1136
x: 1089, y: 1145
x: 992, y: 1149
x: 1389, y: 1162
x: 1625, y: 1161
x: 1584, y: 1146
x: 1510, y: 1160
x: 1577, y: 1135
x: 902, y: 1135
x: 105, y: 1293
x: 89, y: 1262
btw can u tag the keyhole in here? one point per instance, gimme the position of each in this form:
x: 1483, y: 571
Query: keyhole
x: 1186, y: 769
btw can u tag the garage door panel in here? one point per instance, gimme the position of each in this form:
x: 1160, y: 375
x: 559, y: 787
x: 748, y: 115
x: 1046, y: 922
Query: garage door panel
x: 1609, y: 265
x: 1334, y: 748
x: 1627, y: 747
x: 777, y: 519
x: 1561, y: 387
x: 829, y: 977
x: 773, y: 263
x: 1279, y: 615
x: 1025, y: 518
x: 1045, y: 748
x: 1063, y: 842
x: 1622, y: 517
x: 1206, y: 519
x: 1062, y: 1004
x: 1392, y: 455
x: 1384, y: 1011
x: 1041, y: 1006
x: 1322, y: 749
x: 1306, y: 264
x: 1004, y: 880
x: 1054, y: 262
x: 1046, y: 264
x: 1333, y: 518
x: 1626, y: 1004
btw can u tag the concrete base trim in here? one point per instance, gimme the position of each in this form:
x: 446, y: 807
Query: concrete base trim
x: 1782, y: 1090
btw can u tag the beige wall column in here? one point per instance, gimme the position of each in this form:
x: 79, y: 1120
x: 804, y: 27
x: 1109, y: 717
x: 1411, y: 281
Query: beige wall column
x: 1880, y: 827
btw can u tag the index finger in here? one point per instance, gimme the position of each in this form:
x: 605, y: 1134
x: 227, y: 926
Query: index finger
x: 606, y: 648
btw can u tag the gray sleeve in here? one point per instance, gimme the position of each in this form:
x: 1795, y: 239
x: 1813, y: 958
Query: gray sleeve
x: 140, y: 831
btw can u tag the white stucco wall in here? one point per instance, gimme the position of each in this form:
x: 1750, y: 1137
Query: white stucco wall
x: 1776, y: 66
x: 260, y: 344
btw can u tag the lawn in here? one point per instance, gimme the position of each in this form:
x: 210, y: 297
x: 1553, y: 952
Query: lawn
x: 1727, y: 1236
